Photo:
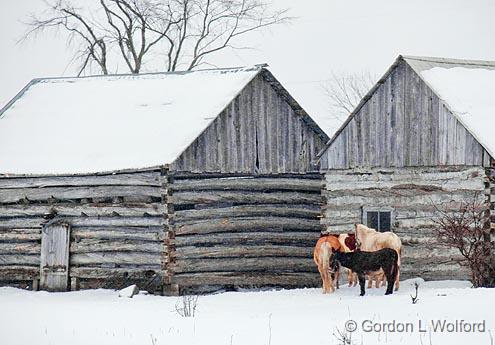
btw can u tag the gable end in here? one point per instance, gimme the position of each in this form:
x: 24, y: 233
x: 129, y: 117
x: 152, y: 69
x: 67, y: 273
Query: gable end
x: 402, y: 122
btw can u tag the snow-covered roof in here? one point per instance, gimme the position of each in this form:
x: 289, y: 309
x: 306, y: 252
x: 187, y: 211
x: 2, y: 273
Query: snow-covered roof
x: 467, y: 87
x: 105, y: 123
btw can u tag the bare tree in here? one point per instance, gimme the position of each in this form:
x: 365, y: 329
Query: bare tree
x: 466, y: 227
x: 91, y: 43
x: 345, y: 91
x: 185, y: 32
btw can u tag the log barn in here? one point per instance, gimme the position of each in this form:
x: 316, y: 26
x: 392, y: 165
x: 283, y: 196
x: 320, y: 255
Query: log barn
x: 178, y: 182
x: 421, y: 138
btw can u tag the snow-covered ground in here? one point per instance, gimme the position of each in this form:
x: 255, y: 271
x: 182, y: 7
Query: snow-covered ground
x: 303, y: 316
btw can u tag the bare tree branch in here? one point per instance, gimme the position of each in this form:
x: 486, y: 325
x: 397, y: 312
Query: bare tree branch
x: 187, y: 31
x: 345, y: 91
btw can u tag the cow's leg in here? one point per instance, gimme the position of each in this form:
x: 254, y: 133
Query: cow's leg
x: 328, y: 283
x: 370, y: 281
x: 381, y: 280
x: 378, y: 279
x: 362, y: 281
x: 397, y: 279
x: 350, y: 277
x: 320, y: 269
x: 337, y: 278
x: 390, y: 282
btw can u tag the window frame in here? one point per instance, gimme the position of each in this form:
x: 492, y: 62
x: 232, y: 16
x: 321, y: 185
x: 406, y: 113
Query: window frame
x: 366, y: 209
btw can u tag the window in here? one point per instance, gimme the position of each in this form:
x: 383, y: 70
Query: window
x: 378, y: 218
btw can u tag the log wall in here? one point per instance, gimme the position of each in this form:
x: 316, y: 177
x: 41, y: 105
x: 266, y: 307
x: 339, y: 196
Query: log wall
x: 244, y: 231
x: 414, y: 195
x: 117, y: 221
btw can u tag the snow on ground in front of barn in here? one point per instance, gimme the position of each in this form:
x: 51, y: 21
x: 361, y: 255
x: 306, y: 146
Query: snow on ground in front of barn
x: 303, y: 316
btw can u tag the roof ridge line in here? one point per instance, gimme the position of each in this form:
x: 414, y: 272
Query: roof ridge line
x: 219, y: 69
x: 450, y: 60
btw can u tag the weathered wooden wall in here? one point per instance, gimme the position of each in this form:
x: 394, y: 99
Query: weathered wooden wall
x: 259, y: 132
x: 403, y: 123
x: 250, y: 231
x: 117, y: 221
x: 414, y: 195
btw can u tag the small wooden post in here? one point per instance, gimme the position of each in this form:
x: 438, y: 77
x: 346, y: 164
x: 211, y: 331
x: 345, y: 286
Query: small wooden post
x: 74, y: 284
x: 36, y: 284
x: 54, y: 268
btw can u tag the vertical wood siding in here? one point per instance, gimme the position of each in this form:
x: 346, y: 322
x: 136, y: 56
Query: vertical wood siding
x: 259, y: 132
x: 414, y: 195
x: 403, y: 124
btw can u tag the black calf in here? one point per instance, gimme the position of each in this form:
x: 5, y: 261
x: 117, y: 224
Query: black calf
x: 364, y: 263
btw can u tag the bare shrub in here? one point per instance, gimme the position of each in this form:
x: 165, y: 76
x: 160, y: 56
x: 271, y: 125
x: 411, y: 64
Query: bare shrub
x: 466, y: 227
x: 186, y: 306
x: 415, y: 299
x: 343, y: 337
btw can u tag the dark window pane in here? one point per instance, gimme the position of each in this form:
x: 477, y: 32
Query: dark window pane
x: 372, y: 219
x: 385, y: 221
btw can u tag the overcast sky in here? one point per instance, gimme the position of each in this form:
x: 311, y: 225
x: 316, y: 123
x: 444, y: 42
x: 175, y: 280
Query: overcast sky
x: 328, y: 35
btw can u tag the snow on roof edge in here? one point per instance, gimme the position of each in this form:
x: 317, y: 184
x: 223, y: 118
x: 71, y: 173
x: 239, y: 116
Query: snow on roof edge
x: 34, y: 81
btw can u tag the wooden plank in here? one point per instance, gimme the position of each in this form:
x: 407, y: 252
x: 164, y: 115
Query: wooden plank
x: 122, y: 245
x: 20, y: 260
x: 242, y: 252
x: 80, y: 259
x: 249, y: 238
x: 68, y: 193
x: 248, y: 223
x: 245, y: 197
x: 70, y: 209
x: 22, y: 222
x: 140, y: 234
x: 117, y: 221
x: 134, y: 179
x: 54, y: 262
x: 17, y: 272
x: 246, y: 279
x: 248, y: 183
x: 19, y: 248
x: 267, y: 210
x: 260, y: 264
x: 20, y: 235
x: 37, y: 222
x: 141, y: 272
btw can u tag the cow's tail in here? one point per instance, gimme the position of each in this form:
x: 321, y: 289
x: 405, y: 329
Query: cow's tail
x: 326, y: 253
x: 396, y: 270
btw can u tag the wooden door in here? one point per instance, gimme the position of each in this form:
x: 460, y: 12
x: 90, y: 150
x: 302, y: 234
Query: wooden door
x: 55, y: 240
